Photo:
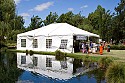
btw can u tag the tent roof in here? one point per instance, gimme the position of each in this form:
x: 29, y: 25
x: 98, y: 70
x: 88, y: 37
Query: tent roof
x: 58, y: 29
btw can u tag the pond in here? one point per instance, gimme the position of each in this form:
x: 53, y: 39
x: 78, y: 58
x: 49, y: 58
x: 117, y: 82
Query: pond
x: 22, y: 68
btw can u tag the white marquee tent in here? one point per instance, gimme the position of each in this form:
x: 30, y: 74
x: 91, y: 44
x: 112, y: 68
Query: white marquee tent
x: 50, y: 38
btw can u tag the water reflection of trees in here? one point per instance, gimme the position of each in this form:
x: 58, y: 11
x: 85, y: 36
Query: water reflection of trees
x: 98, y: 74
x: 79, y: 64
x: 76, y: 64
x: 8, y: 68
x: 93, y: 72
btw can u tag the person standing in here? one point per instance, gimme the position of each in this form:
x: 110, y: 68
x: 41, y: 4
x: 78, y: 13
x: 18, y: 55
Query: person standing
x: 83, y: 47
x: 108, y: 48
x: 87, y: 49
x: 101, y: 49
x: 91, y: 46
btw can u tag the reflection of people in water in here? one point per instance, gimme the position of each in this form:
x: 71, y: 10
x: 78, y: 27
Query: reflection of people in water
x: 63, y: 64
x: 101, y: 49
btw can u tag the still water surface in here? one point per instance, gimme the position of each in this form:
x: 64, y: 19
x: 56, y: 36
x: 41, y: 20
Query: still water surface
x: 22, y: 68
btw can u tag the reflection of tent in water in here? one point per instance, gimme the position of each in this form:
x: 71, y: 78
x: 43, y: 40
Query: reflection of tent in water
x: 47, y: 65
x: 23, y: 59
x: 63, y: 64
x: 48, y: 62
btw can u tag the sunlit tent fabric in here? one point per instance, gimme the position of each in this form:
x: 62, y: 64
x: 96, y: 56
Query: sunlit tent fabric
x: 58, y: 29
x: 51, y: 37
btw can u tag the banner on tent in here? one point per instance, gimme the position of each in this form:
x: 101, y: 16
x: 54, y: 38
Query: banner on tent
x: 80, y: 37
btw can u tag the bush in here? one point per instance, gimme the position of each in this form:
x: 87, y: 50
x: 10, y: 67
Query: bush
x: 2, y: 44
x: 115, y: 73
x: 59, y: 55
x: 87, y: 58
x: 26, y: 52
x: 4, y: 49
x: 104, y: 62
x: 11, y: 45
x: 117, y: 47
x: 31, y: 52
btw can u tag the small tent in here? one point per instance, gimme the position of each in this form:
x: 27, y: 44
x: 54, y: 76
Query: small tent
x: 56, y: 36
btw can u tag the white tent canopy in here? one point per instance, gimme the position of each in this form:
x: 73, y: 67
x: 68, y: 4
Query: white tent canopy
x: 56, y: 29
x: 52, y: 37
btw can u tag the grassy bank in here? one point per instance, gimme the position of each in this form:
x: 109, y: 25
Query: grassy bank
x: 92, y: 57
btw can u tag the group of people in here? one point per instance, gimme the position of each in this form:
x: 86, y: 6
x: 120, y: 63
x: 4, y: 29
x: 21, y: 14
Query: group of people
x: 89, y: 48
x: 94, y: 48
x: 85, y: 47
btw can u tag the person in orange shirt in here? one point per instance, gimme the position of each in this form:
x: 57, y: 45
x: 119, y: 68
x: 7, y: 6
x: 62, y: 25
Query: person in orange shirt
x: 101, y: 49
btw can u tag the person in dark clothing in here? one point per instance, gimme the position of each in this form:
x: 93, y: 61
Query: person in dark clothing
x: 87, y: 49
x: 108, y: 48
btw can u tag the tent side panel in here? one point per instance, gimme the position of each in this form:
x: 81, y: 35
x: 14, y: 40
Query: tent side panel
x: 41, y: 44
x: 69, y: 48
x: 56, y: 42
x: 28, y: 43
x: 41, y: 40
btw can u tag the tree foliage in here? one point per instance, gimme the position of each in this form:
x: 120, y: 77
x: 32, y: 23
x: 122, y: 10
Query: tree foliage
x: 36, y: 22
x: 101, y: 21
x: 51, y: 18
x: 119, y: 21
x: 10, y: 23
x: 109, y: 26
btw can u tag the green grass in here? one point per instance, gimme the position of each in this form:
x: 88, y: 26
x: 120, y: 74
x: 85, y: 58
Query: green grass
x: 11, y: 44
x: 91, y: 57
x: 35, y: 52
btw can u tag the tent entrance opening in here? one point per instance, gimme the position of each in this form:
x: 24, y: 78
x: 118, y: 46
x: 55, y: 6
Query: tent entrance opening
x: 77, y: 40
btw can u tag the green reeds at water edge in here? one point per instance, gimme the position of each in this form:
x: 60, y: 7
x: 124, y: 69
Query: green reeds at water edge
x: 30, y: 52
x: 60, y: 55
x: 115, y: 73
x: 104, y: 62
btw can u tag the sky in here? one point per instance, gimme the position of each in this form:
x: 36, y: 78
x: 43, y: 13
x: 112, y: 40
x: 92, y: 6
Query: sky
x: 42, y: 8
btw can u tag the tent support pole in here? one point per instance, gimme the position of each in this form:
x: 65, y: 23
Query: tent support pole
x: 73, y: 42
x: 88, y: 41
x: 88, y: 38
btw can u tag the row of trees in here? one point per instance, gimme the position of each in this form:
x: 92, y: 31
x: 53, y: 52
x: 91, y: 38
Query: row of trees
x: 110, y: 26
x: 101, y: 21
